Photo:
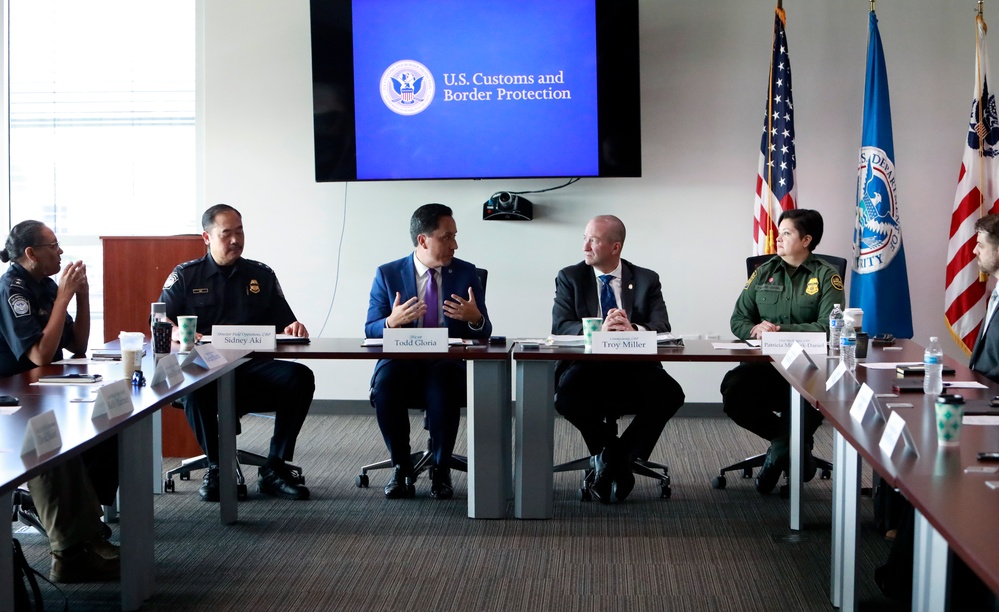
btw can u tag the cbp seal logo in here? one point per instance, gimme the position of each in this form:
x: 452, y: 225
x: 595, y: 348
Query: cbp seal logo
x: 407, y: 87
x: 877, y: 236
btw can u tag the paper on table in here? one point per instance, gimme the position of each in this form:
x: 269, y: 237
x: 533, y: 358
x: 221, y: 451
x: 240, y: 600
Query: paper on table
x: 565, y: 340
x: 980, y: 419
x: 964, y: 384
x: 884, y: 365
x: 450, y: 341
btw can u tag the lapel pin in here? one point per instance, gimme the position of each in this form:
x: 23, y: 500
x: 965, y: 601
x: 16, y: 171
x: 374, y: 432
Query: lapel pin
x: 630, y: 286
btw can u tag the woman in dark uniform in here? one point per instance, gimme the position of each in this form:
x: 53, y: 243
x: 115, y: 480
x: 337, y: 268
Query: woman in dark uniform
x: 35, y: 328
x: 794, y: 292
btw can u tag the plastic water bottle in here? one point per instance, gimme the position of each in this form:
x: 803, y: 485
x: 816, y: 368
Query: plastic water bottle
x: 933, y: 368
x: 836, y: 325
x: 848, y: 348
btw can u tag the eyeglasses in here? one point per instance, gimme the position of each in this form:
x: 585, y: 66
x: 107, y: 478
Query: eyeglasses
x: 54, y: 245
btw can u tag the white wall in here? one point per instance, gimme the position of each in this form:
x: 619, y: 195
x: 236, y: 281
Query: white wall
x: 704, y: 72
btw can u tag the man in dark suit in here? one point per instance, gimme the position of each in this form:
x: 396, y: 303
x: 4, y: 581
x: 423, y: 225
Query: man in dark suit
x: 985, y: 355
x: 586, y: 393
x: 427, y: 288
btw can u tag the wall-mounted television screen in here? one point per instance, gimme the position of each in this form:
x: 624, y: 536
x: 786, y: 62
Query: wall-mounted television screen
x: 448, y: 89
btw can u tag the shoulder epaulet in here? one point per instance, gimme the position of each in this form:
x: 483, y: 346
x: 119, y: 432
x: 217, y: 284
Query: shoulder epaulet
x: 188, y: 264
x: 253, y: 263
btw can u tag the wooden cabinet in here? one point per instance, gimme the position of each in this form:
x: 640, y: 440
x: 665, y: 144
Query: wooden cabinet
x: 134, y: 270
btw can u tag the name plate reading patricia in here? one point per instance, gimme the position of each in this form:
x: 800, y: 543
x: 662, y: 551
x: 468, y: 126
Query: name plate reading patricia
x: 114, y: 400
x: 861, y: 403
x: 42, y: 434
x: 244, y: 337
x: 792, y: 355
x: 206, y: 356
x: 415, y: 340
x: 168, y: 371
x: 778, y: 343
x: 618, y: 342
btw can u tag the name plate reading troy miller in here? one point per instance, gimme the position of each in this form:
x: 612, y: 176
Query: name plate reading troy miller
x: 415, y: 340
x: 618, y: 342
x: 778, y: 343
x: 244, y: 337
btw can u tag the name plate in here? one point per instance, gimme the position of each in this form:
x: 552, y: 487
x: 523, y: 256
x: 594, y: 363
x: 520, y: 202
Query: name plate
x: 168, y: 371
x: 778, y: 343
x: 618, y: 342
x: 114, y: 400
x: 894, y: 430
x: 415, y: 340
x: 247, y: 337
x: 42, y: 435
x: 861, y: 403
x: 204, y: 355
x: 836, y: 375
x: 792, y: 355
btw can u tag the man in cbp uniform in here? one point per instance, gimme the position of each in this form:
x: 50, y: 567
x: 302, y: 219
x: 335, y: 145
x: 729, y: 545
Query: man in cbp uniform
x: 223, y: 288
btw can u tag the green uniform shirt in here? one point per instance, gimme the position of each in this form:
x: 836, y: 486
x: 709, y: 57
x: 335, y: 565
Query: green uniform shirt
x: 798, y: 302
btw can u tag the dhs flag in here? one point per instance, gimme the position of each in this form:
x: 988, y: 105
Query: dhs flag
x: 880, y: 283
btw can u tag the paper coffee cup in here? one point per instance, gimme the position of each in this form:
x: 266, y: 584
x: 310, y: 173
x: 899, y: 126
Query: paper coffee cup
x: 590, y: 325
x: 188, y: 326
x: 950, y: 414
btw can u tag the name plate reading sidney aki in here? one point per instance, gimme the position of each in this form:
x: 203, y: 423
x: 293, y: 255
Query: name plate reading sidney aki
x: 617, y: 342
x: 248, y: 337
x: 415, y: 340
x: 778, y: 343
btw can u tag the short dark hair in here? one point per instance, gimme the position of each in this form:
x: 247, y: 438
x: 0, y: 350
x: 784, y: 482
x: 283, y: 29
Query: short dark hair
x: 807, y: 222
x: 23, y: 235
x: 426, y: 219
x: 208, y: 219
x: 989, y: 225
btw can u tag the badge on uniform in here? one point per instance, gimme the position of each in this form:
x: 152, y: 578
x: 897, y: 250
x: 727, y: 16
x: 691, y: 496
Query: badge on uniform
x: 813, y: 286
x: 20, y: 305
x: 199, y: 290
x: 254, y: 286
x: 837, y: 282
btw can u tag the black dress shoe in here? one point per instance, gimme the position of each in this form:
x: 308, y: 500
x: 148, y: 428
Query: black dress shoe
x: 279, y: 482
x: 401, y: 484
x: 810, y: 466
x: 603, y: 479
x: 441, y: 487
x: 209, y: 489
x: 775, y: 464
x: 624, y: 479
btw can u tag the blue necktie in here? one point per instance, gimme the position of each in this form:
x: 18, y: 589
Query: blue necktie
x: 431, y: 300
x: 607, y: 300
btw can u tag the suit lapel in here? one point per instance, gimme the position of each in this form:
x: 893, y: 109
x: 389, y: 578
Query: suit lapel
x: 627, y: 290
x: 407, y: 276
x: 589, y: 288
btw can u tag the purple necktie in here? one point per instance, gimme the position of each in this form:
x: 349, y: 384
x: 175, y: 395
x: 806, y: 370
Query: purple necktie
x: 431, y: 300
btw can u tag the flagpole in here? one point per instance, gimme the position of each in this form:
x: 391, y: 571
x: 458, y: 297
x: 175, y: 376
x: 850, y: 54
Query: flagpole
x: 982, y: 276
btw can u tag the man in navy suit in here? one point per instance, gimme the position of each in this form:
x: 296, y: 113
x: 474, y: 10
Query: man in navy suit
x: 399, y: 298
x: 985, y: 355
x: 588, y: 392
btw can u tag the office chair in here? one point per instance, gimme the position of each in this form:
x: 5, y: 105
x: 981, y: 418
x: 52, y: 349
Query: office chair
x: 756, y: 461
x: 422, y: 460
x: 242, y: 458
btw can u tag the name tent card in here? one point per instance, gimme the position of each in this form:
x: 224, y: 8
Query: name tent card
x: 861, y: 403
x: 415, y: 340
x: 114, y: 400
x: 796, y: 351
x: 836, y: 376
x: 42, y: 434
x: 168, y: 371
x: 206, y: 356
x: 778, y: 343
x: 894, y: 430
x: 247, y: 337
x: 618, y: 342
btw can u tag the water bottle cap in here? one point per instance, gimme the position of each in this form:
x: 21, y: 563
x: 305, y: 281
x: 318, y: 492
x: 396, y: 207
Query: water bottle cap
x: 933, y: 338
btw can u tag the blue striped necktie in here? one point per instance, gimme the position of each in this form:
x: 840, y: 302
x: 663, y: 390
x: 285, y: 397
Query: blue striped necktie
x: 607, y: 300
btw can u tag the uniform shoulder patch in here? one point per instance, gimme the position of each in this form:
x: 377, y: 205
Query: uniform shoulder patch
x: 19, y: 305
x: 751, y: 277
x: 837, y: 282
x: 173, y: 278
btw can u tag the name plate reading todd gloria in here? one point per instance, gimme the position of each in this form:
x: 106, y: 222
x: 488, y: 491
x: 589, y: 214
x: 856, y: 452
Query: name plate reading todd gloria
x: 248, y: 337
x: 618, y: 342
x: 415, y: 340
x: 778, y: 343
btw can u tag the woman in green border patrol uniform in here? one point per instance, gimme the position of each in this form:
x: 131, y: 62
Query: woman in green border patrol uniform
x: 793, y: 292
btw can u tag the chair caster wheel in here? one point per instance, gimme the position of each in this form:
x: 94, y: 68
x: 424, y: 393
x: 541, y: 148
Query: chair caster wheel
x: 747, y: 473
x: 168, y: 486
x: 361, y: 481
x: 826, y: 475
x: 185, y: 475
x: 584, y: 495
x: 241, y: 491
x: 718, y: 482
x: 667, y: 491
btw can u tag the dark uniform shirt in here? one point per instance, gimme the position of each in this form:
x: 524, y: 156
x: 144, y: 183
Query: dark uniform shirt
x: 24, y: 313
x: 798, y: 300
x: 245, y: 293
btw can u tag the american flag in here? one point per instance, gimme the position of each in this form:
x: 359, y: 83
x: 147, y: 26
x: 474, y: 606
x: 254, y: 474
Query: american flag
x: 977, y: 193
x: 776, y: 190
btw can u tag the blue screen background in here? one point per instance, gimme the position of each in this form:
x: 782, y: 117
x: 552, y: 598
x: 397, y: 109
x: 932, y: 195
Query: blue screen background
x: 486, y: 138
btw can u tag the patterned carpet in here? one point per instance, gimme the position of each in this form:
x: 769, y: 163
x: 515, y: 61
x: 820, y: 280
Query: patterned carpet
x: 351, y: 549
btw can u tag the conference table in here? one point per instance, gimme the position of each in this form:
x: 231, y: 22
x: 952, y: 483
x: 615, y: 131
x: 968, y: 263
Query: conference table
x: 949, y: 501
x: 72, y: 406
x: 535, y: 409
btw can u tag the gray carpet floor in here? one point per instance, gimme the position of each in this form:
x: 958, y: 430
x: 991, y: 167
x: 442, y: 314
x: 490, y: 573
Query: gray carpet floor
x: 351, y: 549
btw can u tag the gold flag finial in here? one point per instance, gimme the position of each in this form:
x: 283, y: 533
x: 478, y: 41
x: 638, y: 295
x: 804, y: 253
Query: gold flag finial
x: 872, y: 6
x: 980, y: 3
